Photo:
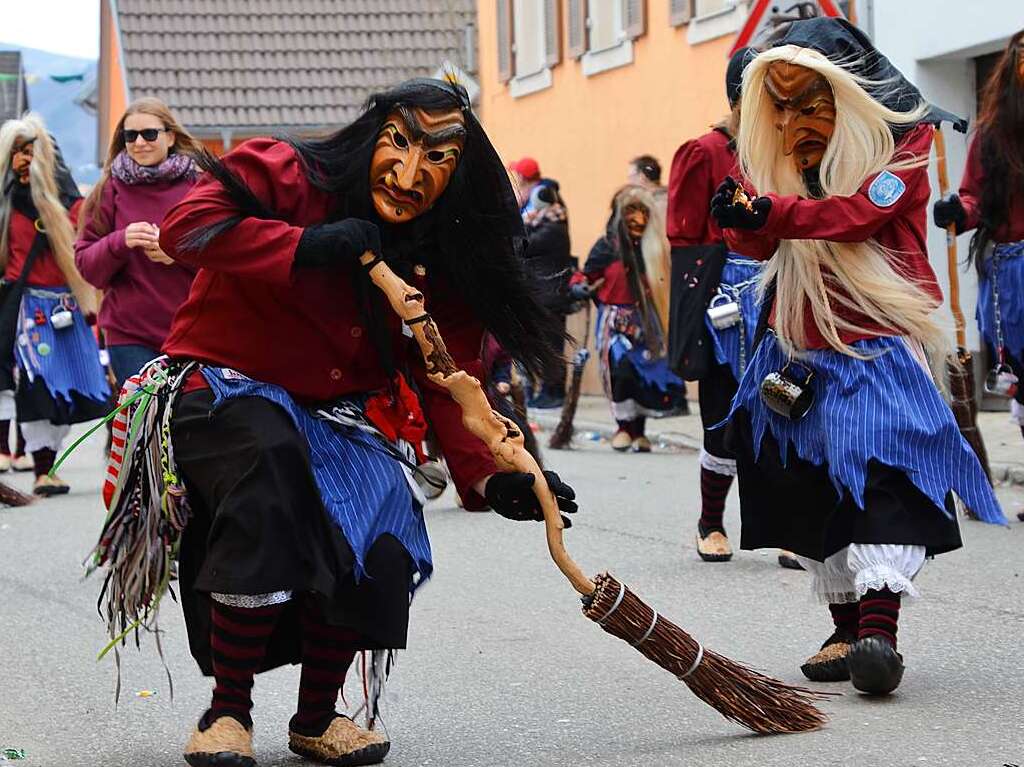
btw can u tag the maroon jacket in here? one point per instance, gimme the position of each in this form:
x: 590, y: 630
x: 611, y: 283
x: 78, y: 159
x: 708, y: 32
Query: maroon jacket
x: 698, y: 167
x: 301, y: 328
x: 900, y: 227
x: 1010, y: 230
x: 140, y: 296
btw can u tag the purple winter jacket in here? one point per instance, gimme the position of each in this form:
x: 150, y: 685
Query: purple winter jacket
x: 140, y: 296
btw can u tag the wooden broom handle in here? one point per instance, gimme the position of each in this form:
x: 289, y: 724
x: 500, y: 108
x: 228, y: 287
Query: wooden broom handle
x: 951, y: 259
x: 500, y: 435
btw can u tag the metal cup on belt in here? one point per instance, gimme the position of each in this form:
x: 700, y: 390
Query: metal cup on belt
x: 1001, y: 381
x: 723, y: 311
x: 788, y: 392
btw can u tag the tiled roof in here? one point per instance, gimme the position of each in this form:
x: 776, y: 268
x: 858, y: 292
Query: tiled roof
x: 267, y: 64
x: 11, y: 87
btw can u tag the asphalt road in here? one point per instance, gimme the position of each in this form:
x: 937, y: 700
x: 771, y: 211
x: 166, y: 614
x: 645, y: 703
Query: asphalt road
x: 503, y: 670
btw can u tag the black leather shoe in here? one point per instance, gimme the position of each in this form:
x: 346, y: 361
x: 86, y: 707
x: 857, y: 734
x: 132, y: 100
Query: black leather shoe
x: 875, y: 666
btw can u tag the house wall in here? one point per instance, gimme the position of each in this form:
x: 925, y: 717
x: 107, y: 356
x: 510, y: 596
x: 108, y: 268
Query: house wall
x: 939, y: 58
x: 584, y: 130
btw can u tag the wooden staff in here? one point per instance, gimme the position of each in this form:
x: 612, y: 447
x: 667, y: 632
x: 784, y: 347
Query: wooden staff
x: 960, y: 365
x: 758, y: 702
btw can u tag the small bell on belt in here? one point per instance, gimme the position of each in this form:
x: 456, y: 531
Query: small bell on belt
x: 723, y: 311
x: 788, y: 392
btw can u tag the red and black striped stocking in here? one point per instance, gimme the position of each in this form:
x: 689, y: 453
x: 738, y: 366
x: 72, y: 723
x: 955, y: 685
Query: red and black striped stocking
x: 238, y: 639
x: 327, y: 653
x: 879, y: 615
x: 714, y: 488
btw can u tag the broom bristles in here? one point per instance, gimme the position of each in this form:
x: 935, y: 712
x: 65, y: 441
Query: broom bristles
x: 11, y: 497
x: 738, y: 692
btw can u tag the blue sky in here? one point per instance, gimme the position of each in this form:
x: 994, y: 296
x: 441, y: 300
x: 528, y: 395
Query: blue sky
x: 70, y: 27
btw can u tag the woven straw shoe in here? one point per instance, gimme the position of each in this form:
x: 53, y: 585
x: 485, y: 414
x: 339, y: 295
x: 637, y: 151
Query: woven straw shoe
x: 225, y: 743
x: 343, y: 744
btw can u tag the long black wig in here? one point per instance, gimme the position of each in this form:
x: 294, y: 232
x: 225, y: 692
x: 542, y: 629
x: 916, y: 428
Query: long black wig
x: 1000, y: 132
x: 472, y: 237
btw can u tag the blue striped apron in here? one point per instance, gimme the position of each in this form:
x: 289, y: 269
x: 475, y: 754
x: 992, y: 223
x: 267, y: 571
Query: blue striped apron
x: 620, y: 336
x: 67, y: 359
x: 886, y: 408
x: 365, y: 488
x: 1007, y: 262
x: 734, y: 346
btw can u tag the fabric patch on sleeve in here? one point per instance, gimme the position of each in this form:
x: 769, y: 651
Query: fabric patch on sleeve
x: 886, y: 189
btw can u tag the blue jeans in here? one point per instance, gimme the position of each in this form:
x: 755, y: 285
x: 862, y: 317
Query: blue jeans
x: 127, y: 360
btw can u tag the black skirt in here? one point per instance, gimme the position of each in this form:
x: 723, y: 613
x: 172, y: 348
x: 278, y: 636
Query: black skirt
x: 796, y: 506
x: 258, y: 525
x: 35, y: 403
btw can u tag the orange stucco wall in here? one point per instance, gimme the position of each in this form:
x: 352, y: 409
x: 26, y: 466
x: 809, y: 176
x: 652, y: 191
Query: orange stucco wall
x: 584, y: 130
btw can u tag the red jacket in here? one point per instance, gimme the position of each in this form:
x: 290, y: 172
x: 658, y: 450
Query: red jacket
x: 900, y: 227
x: 698, y: 167
x: 20, y: 235
x: 301, y: 329
x: 1010, y: 230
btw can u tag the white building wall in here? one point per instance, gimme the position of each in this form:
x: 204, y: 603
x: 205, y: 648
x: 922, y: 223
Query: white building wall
x: 933, y: 42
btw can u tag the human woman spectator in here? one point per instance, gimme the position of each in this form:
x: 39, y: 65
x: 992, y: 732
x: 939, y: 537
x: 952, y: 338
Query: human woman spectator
x: 627, y: 274
x: 150, y: 167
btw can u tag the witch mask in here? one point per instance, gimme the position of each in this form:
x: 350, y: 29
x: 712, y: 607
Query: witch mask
x: 21, y: 159
x: 805, y: 112
x: 415, y: 156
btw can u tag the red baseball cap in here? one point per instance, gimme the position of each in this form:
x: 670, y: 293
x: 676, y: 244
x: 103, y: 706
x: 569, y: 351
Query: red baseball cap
x: 527, y: 167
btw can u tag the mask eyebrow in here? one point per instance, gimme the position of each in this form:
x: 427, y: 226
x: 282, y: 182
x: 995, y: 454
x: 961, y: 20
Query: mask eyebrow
x: 417, y: 133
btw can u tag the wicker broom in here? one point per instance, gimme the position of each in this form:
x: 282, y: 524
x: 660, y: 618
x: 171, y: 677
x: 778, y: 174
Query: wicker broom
x: 762, y: 704
x: 11, y: 497
x: 959, y: 365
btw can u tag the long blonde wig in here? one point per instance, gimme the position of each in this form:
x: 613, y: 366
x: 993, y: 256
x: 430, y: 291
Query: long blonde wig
x: 46, y: 198
x: 654, y: 247
x: 855, y: 276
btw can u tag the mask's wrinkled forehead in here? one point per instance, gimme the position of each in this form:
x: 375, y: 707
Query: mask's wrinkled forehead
x: 793, y: 86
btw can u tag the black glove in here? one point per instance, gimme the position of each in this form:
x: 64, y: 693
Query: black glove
x: 949, y: 210
x: 730, y: 215
x: 337, y: 242
x: 511, y: 495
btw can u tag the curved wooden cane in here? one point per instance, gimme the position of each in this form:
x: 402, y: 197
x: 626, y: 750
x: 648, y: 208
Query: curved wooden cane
x: 501, y: 435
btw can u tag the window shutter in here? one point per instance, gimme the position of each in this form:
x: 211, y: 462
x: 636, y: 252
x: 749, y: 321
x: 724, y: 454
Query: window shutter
x: 552, y: 32
x: 504, y: 40
x: 577, y: 23
x: 633, y: 21
x: 680, y: 12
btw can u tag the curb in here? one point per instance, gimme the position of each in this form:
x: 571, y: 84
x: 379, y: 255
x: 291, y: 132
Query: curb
x: 1002, y: 473
x: 548, y: 420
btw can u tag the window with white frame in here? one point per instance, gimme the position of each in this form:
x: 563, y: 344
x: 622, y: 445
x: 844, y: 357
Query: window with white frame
x: 608, y: 45
x: 711, y: 7
x: 715, y: 18
x: 533, y: 44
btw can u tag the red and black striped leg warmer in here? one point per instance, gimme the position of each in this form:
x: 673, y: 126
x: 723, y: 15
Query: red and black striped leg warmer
x: 19, y: 445
x: 327, y: 653
x: 879, y: 615
x: 5, y: 437
x: 714, y: 488
x: 238, y: 639
x: 846, y: 617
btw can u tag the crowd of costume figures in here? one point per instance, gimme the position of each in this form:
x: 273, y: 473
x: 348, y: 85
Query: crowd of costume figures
x: 308, y: 339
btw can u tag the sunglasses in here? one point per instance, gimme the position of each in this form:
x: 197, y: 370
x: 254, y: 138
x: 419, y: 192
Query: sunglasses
x: 148, y: 134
